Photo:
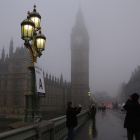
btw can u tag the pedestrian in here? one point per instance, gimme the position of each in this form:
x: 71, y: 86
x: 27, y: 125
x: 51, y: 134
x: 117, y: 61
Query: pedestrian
x: 102, y: 108
x: 98, y: 108
x: 132, y: 119
x: 72, y: 122
x: 93, y: 111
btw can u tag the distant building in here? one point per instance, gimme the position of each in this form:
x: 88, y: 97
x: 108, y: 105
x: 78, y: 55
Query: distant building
x: 15, y: 80
x: 80, y: 61
x: 15, y: 76
x: 132, y: 86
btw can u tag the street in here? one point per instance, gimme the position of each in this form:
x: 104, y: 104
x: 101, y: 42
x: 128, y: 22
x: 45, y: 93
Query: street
x: 118, y: 114
x: 107, y: 125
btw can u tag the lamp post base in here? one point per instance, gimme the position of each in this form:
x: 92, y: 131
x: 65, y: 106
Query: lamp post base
x: 32, y: 104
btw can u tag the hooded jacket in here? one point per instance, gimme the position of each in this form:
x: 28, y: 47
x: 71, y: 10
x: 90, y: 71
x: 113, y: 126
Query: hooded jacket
x: 71, y: 116
x: 132, y: 119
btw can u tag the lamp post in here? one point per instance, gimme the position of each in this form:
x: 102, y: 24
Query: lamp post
x: 101, y: 102
x: 31, y: 31
x: 89, y: 98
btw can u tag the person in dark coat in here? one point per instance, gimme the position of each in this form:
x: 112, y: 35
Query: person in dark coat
x: 72, y: 122
x: 93, y: 111
x: 132, y: 119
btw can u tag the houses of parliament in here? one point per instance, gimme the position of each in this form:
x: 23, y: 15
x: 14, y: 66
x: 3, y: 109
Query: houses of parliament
x: 15, y: 76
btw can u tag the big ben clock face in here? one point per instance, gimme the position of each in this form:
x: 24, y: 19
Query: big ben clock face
x: 78, y: 40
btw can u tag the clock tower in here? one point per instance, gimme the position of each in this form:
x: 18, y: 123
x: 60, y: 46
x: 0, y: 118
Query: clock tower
x: 80, y: 62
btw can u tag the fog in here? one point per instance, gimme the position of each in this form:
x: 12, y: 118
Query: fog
x: 113, y: 27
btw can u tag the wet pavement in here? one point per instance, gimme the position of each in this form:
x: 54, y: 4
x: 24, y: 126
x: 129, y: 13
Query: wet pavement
x: 118, y: 113
x: 106, y: 126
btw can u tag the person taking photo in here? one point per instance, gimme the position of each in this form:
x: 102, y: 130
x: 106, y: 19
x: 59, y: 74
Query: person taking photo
x: 72, y: 122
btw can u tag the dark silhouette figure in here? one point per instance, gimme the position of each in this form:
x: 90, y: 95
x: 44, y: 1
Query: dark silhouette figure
x: 72, y: 122
x: 132, y: 119
x: 98, y: 108
x: 93, y: 111
x: 102, y: 108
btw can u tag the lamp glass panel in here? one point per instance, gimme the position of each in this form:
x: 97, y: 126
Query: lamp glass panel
x: 22, y: 31
x: 27, y: 31
x: 36, y: 21
x: 40, y: 43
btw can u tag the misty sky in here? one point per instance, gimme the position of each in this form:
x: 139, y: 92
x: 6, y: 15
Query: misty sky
x: 114, y: 30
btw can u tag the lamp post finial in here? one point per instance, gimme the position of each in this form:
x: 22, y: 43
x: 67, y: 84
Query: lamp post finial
x: 34, y: 8
x: 28, y: 14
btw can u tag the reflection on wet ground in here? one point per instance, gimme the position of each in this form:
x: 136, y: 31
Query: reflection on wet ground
x: 105, y: 126
x: 92, y: 129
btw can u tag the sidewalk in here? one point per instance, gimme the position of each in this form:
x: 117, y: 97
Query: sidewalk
x: 106, y: 127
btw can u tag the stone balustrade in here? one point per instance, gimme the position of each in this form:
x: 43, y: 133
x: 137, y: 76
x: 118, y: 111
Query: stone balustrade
x: 54, y: 129
x: 60, y: 125
x: 23, y: 133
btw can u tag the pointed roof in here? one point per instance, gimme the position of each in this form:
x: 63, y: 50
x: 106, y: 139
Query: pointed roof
x: 3, y: 50
x: 11, y: 42
x: 46, y: 75
x: 79, y: 16
x: 79, y: 19
x: 61, y: 77
x: 79, y: 24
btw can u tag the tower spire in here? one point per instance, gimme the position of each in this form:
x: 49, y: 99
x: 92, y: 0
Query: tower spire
x: 11, y: 47
x: 61, y: 78
x: 11, y: 42
x: 79, y: 4
x: 79, y: 19
x: 3, y: 54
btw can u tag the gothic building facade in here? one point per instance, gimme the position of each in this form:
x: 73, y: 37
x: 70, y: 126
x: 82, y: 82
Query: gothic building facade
x: 15, y: 80
x: 15, y: 76
x: 132, y: 86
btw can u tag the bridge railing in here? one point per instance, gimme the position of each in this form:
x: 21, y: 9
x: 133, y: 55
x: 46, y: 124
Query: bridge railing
x: 61, y: 131
x: 22, y: 133
x: 54, y: 129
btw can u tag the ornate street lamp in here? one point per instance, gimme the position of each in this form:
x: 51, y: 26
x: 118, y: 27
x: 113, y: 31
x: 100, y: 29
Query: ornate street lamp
x: 89, y: 98
x: 40, y: 41
x: 36, y: 18
x: 89, y: 94
x: 29, y: 29
x: 101, y: 102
